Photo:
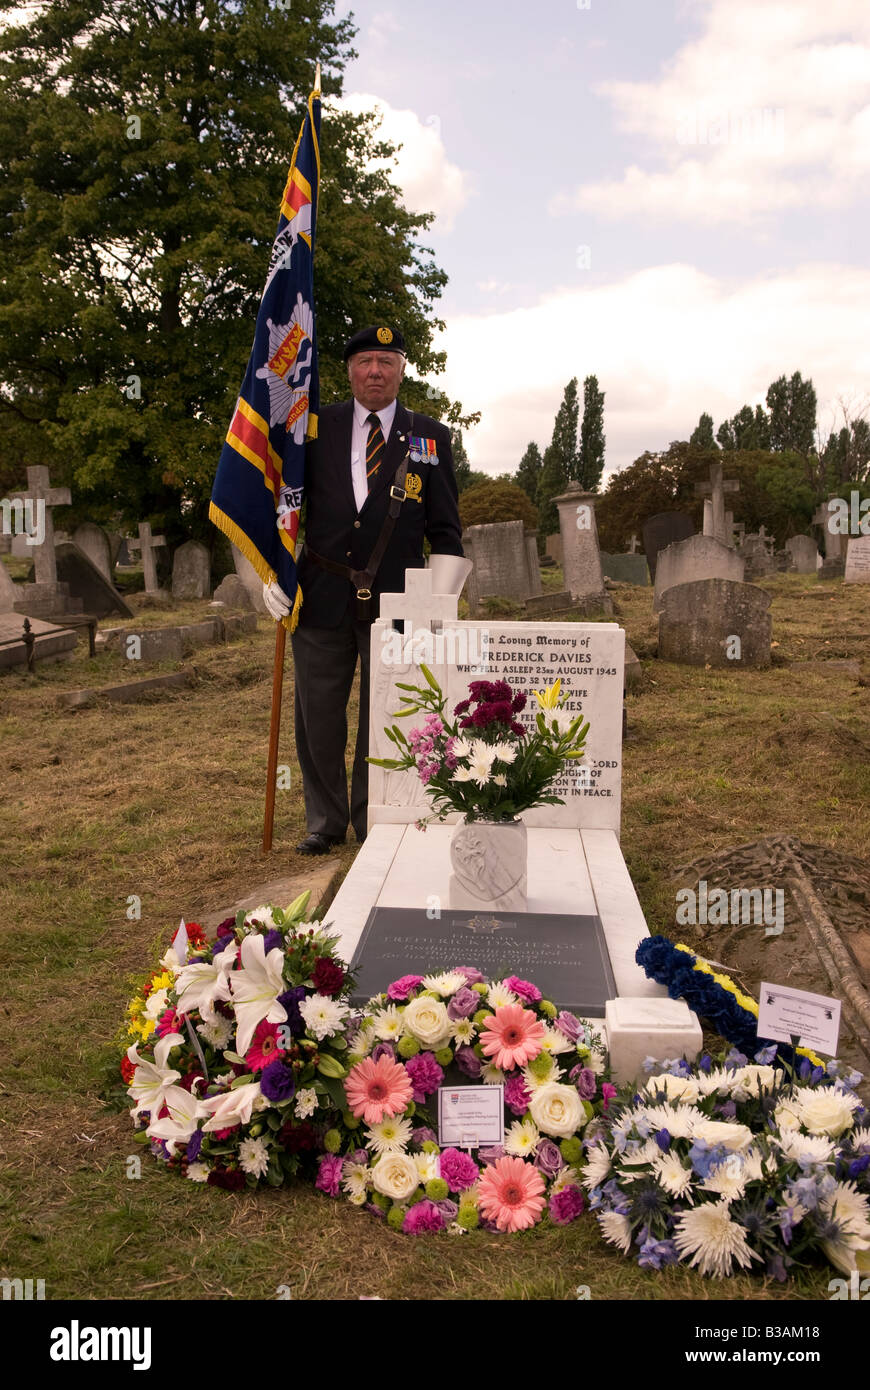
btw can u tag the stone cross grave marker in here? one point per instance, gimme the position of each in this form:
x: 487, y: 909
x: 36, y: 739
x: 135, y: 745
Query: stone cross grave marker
x: 40, y: 490
x: 633, y: 544
x: 835, y: 541
x: 147, y: 544
x: 716, y: 489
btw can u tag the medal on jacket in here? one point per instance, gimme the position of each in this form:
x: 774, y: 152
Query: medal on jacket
x: 422, y: 450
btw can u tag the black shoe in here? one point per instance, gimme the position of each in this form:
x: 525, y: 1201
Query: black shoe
x: 316, y: 843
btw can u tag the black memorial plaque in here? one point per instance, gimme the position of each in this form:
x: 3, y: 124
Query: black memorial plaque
x: 565, y: 956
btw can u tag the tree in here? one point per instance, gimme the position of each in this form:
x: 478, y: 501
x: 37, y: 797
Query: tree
x: 792, y: 406
x: 461, y: 465
x: 702, y: 435
x: 560, y: 459
x: 496, y: 501
x: 748, y: 429
x: 845, y: 456
x: 590, y: 461
x: 145, y: 156
x: 528, y: 475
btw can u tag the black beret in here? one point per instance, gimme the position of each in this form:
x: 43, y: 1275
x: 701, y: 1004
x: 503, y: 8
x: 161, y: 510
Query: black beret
x: 377, y: 339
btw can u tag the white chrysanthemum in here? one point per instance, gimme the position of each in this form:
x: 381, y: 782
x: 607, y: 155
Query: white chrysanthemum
x: 197, y: 1172
x: 815, y: 1147
x: 521, y: 1139
x: 552, y: 1073
x: 851, y: 1210
x: 390, y: 1136
x: 753, y: 1168
x: 734, y: 1137
x: 254, y: 1157
x: 357, y: 1197
x: 718, y: 1079
x: 427, y: 1166
x: 678, y: 1120
x: 387, y: 1025
x: 306, y: 1102
x: 728, y: 1179
x: 464, y: 1031
x: 647, y: 1153
x: 713, y: 1240
x: 354, y: 1181
x: 480, y: 761
x: 461, y: 747
x: 504, y: 752
x: 500, y: 780
x: 564, y: 1178
x: 596, y: 1061
x: 498, y: 995
x: 682, y: 1089
x: 323, y: 1016
x: 362, y: 1044
x: 673, y: 1176
x: 217, y: 1033
x: 555, y: 1042
x: 860, y: 1140
x: 446, y: 983
x: 491, y: 1075
x: 615, y: 1229
x: 597, y: 1165
x: 461, y: 774
x: 264, y: 916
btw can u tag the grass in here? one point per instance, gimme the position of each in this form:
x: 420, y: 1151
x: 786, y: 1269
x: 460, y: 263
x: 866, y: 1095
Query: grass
x: 162, y: 802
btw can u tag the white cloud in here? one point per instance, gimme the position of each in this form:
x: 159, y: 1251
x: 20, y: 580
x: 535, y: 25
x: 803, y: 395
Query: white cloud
x: 429, y: 181
x: 666, y: 344
x: 768, y: 109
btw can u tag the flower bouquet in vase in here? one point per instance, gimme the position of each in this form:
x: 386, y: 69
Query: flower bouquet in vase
x: 489, y: 767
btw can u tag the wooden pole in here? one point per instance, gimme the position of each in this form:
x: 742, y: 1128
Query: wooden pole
x: 274, y: 730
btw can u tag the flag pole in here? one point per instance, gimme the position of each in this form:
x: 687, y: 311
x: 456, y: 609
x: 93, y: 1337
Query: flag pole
x: 274, y: 730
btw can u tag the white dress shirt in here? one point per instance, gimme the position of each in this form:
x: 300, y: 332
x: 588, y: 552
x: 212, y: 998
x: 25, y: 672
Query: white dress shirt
x: 359, y: 445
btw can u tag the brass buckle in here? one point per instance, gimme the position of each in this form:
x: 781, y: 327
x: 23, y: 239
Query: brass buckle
x: 398, y: 492
x: 364, y: 594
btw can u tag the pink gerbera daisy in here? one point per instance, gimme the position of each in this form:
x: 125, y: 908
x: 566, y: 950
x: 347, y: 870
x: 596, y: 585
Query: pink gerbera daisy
x: 378, y: 1089
x: 514, y: 1037
x: 264, y: 1046
x: 511, y: 1194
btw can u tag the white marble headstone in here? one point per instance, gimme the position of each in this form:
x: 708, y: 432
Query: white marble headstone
x: 857, y: 560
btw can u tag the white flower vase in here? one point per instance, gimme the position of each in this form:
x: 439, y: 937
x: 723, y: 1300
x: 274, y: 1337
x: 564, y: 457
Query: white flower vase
x: 489, y: 866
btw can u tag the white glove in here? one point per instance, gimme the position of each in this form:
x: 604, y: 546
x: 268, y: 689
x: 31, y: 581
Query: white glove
x: 276, y: 601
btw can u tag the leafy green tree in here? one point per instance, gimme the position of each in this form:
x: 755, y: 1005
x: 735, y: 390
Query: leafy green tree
x: 528, y: 475
x: 145, y: 152
x: 496, y: 500
x: 560, y: 459
x: 792, y: 406
x: 461, y: 465
x: 702, y: 435
x: 590, y: 460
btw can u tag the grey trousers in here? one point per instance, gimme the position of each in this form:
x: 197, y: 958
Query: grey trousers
x: 324, y: 662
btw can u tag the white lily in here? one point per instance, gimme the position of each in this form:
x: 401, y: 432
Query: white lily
x: 176, y: 1127
x: 230, y: 1107
x: 201, y: 985
x: 255, y: 988
x: 152, y: 1080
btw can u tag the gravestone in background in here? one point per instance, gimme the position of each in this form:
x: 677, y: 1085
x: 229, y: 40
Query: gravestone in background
x: 500, y: 558
x: 8, y: 590
x: 233, y: 592
x: 581, y: 556
x: 191, y: 571
x: 757, y: 553
x: 553, y: 547
x: 662, y: 530
x: 533, y: 564
x: 715, y: 516
x: 251, y: 580
x: 857, y: 560
x: 93, y: 542
x: 699, y: 622
x: 698, y: 557
x: 86, y: 585
x: 804, y: 554
x: 146, y: 546
x: 626, y: 569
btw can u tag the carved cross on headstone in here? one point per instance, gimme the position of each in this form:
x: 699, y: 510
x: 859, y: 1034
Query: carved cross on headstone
x: 148, y: 544
x: 716, y: 489
x: 418, y: 607
x: 45, y: 497
x: 633, y: 544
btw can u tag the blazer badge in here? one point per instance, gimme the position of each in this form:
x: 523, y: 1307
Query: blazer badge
x: 414, y: 486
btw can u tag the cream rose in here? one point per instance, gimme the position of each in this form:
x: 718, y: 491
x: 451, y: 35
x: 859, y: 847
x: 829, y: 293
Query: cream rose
x: 826, y: 1111
x: 678, y: 1088
x: 427, y: 1020
x: 557, y: 1110
x: 752, y: 1080
x: 786, y: 1115
x: 396, y: 1176
x: 732, y: 1137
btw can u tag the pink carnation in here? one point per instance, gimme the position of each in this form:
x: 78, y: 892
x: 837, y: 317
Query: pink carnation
x: 524, y: 989
x: 166, y: 1023
x: 458, y: 1170
x: 566, y: 1206
x: 426, y: 1075
x: 608, y: 1092
x: 329, y: 1174
x: 516, y: 1095
x: 422, y: 1216
x: 400, y: 989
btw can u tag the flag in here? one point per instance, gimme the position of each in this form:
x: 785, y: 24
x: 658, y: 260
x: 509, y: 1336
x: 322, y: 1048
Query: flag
x: 257, y: 493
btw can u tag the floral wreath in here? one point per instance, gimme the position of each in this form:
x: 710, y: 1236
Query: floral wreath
x: 713, y: 996
x: 236, y: 1047
x: 385, y: 1154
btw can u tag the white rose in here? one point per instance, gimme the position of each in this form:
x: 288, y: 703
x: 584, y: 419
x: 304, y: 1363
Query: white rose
x: 826, y: 1111
x: 156, y: 1003
x: 678, y: 1088
x: 427, y: 1020
x: 396, y: 1176
x: 557, y: 1110
x: 752, y: 1080
x: 786, y: 1115
x: 733, y: 1137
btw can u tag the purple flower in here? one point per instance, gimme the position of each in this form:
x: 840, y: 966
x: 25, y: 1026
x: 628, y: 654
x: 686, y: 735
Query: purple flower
x: 468, y: 1062
x: 663, y: 1139
x: 424, y: 1135
x: 655, y: 1253
x: 463, y: 1004
x: 524, y: 989
x: 516, y: 1096
x: 490, y: 1154
x: 272, y: 940
x: 473, y: 976
x: 423, y: 1216
x: 277, y: 1082
x: 221, y: 944
x: 426, y: 1075
x: 586, y: 1082
x: 449, y: 1210
x: 227, y: 928
x: 194, y: 1144
x: 329, y: 1174
x: 384, y: 1049
x: 458, y: 1170
x: 569, y: 1024
x: 400, y: 989
x: 548, y: 1158
x: 291, y: 999
x: 566, y: 1206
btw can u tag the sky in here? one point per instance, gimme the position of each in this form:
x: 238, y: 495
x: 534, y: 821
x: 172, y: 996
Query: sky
x: 670, y: 194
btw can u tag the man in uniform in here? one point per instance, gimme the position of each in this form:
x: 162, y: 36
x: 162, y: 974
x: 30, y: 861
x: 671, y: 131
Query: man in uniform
x: 378, y: 479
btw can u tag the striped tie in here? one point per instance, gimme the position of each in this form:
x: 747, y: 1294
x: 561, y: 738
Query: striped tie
x: 374, y: 449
